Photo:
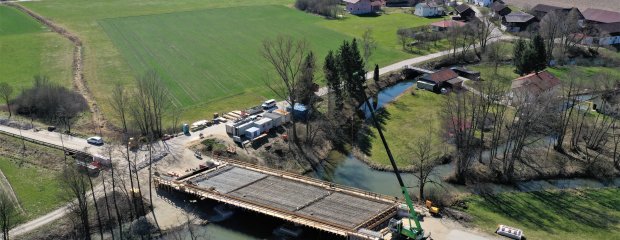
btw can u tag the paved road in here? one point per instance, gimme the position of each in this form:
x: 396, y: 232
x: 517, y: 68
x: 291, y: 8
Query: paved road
x: 55, y: 138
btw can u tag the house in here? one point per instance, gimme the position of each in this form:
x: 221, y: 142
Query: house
x: 533, y: 85
x: 598, y: 16
x: 484, y: 3
x: 499, y: 10
x: 540, y: 10
x: 517, y: 21
x: 428, y: 10
x: 465, y: 11
x: 445, y: 24
x: 440, y: 81
x: 466, y: 73
x: 364, y: 6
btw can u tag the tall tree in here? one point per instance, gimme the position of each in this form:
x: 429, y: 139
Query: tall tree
x: 332, y: 77
x: 6, y: 91
x: 76, y: 187
x: 352, y: 70
x: 425, y: 157
x: 305, y: 90
x: 368, y: 44
x: 286, y: 56
x: 518, y: 52
x: 375, y: 75
x: 7, y: 211
x: 539, y: 57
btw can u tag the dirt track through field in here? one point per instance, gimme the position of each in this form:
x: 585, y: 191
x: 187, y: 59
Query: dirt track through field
x: 79, y: 83
x: 612, y: 5
x: 5, y: 186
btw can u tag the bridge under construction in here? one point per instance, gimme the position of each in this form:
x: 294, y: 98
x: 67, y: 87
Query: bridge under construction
x: 322, y: 205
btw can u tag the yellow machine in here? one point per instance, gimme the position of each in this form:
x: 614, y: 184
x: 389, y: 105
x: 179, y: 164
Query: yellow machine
x: 431, y: 209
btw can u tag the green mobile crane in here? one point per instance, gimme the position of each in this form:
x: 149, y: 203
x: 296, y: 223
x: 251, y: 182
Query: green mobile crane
x: 403, y: 226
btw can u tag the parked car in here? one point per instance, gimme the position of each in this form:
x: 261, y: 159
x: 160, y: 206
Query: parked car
x: 96, y: 140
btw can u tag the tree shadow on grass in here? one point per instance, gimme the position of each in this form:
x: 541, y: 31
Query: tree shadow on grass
x: 366, y: 135
x: 570, y: 210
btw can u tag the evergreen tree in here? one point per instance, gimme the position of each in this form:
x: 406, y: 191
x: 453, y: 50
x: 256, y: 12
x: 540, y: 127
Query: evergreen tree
x: 375, y: 76
x: 519, y: 50
x: 528, y: 60
x: 539, y: 57
x: 305, y: 90
x: 332, y: 77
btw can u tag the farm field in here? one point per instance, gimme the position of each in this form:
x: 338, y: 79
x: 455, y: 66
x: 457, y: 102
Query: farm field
x: 29, y: 49
x: 106, y: 62
x: 37, y: 188
x: 408, y: 117
x: 567, y: 214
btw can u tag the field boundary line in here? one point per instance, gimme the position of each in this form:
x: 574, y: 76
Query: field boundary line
x: 5, y: 181
x: 79, y: 82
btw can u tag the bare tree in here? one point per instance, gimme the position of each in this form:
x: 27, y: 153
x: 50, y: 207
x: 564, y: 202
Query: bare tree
x: 565, y: 115
x: 7, y: 211
x: 483, y: 29
x: 403, y: 38
x: 75, y: 186
x: 495, y: 55
x: 286, y: 56
x: 6, y: 91
x: 368, y: 45
x: 119, y: 101
x: 425, y: 157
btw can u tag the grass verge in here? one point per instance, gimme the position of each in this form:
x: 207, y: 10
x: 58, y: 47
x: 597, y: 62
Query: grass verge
x: 567, y: 214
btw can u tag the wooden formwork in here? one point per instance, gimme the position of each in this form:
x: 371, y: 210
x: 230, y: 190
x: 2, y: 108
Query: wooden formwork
x: 291, y: 216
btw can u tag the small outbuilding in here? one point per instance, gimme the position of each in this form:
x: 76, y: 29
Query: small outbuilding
x: 517, y: 21
x: 465, y: 11
x: 499, y: 10
x: 444, y: 79
x: 466, y: 73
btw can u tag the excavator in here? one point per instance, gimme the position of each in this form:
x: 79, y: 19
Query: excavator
x: 404, y: 226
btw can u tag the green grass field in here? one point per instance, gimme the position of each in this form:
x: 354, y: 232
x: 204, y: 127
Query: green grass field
x: 408, y: 118
x: 27, y: 49
x: 37, y: 189
x: 109, y: 59
x: 571, y: 214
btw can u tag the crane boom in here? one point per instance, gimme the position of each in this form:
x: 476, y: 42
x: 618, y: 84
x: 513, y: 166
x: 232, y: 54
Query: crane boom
x: 418, y: 232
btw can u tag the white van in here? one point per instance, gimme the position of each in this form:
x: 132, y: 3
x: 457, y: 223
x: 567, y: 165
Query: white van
x: 269, y: 104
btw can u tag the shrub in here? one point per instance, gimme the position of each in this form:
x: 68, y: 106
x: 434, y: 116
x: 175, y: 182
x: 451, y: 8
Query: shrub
x: 327, y: 8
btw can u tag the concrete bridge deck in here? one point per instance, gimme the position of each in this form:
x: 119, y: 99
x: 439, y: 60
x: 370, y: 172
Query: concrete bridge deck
x: 310, y: 202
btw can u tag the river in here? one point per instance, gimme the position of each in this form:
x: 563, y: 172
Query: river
x: 350, y: 171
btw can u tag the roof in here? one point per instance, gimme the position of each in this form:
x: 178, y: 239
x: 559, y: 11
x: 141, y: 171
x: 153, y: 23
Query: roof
x: 262, y: 121
x: 253, y: 129
x: 518, y: 17
x: 441, y: 76
x: 548, y: 8
x: 462, y: 8
x: 448, y: 23
x: 600, y: 15
x: 425, y: 4
x: 351, y: 1
x: 497, y: 6
x: 536, y: 83
x: 462, y: 69
x: 609, y: 27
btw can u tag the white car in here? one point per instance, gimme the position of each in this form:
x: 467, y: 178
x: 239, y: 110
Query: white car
x: 95, y: 140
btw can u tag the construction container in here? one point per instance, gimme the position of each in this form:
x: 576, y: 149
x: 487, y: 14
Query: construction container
x: 300, y: 111
x: 254, y: 110
x: 199, y: 125
x: 286, y: 117
x: 263, y: 124
x: 252, y: 132
x: 276, y: 119
x: 185, y: 129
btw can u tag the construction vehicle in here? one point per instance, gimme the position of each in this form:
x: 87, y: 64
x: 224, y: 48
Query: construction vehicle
x: 433, y: 210
x: 403, y: 227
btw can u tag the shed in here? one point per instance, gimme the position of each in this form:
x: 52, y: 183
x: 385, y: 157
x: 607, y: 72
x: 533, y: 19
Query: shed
x: 445, y: 78
x: 252, y: 132
x: 465, y: 11
x: 593, y: 15
x: 517, y: 21
x: 263, y: 124
x: 466, y: 73
x: 500, y: 10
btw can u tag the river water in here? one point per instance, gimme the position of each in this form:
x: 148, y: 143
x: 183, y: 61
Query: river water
x: 350, y: 171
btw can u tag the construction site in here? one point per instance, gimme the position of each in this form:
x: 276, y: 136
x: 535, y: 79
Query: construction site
x: 325, y: 206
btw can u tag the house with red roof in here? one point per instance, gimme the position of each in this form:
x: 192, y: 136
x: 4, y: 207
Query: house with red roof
x: 533, y: 85
x: 358, y: 7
